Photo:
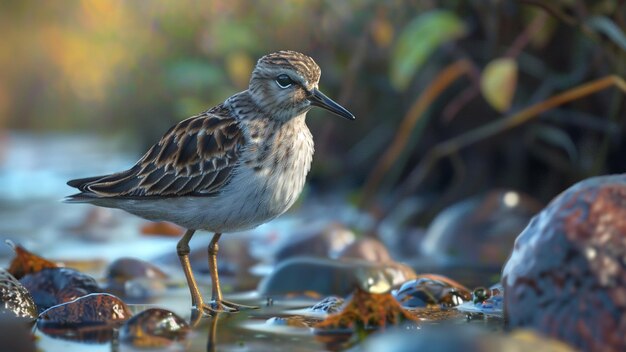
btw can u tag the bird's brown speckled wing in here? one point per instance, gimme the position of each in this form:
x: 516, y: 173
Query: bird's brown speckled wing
x: 194, y: 158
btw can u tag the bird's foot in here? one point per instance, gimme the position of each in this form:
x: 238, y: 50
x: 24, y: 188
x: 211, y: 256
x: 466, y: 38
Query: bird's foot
x: 222, y: 306
x: 238, y: 306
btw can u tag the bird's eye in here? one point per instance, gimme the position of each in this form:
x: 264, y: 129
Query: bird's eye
x: 284, y: 81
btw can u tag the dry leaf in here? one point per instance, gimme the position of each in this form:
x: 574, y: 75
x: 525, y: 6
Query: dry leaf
x: 26, y: 262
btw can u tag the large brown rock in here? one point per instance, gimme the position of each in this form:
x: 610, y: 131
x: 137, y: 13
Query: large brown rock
x: 567, y: 274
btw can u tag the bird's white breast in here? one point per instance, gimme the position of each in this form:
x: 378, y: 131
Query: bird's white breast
x: 269, y: 178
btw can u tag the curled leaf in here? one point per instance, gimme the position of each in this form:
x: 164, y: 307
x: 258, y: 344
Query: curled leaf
x: 498, y: 82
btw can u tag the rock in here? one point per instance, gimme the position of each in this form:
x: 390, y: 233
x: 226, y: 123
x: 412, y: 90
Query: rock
x: 95, y: 308
x: 15, y: 336
x: 441, y: 339
x: 97, y: 225
x: 125, y: 269
x: 470, y: 240
x: 566, y: 277
x: 329, y: 305
x: 368, y: 249
x: 317, y: 241
x: 427, y: 338
x: 480, y: 230
x: 427, y: 292
x: 135, y: 279
x: 485, y: 302
x: 154, y: 328
x: 53, y: 286
x: 333, y: 277
x: 90, y: 318
x: 16, y: 300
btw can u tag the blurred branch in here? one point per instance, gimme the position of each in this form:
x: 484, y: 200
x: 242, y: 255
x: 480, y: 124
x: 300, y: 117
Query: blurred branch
x: 453, y: 145
x: 524, y: 38
x: 443, y: 80
x: 467, y: 95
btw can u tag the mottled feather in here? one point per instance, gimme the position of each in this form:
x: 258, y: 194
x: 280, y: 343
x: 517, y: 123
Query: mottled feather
x: 194, y: 158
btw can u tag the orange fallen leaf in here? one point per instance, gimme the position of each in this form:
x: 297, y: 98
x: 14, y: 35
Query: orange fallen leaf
x: 26, y: 262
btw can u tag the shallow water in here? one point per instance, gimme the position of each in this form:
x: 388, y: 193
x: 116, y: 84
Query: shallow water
x: 35, y: 168
x: 247, y: 330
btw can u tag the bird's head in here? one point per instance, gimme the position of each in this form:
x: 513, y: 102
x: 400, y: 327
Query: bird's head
x: 284, y: 84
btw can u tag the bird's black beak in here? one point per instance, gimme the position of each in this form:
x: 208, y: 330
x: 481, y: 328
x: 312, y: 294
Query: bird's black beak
x: 318, y: 98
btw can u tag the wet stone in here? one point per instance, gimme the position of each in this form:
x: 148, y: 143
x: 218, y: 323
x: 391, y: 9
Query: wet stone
x: 16, y: 300
x: 53, y: 286
x: 316, y: 241
x: 439, y: 338
x: 92, y: 318
x: 135, y: 279
x: 124, y: 269
x: 428, y: 292
x: 333, y: 277
x: 95, y: 308
x: 154, y: 328
x: 328, y: 305
x: 15, y: 336
x: 485, y: 301
x: 480, y: 231
x: 368, y: 249
x: 566, y: 277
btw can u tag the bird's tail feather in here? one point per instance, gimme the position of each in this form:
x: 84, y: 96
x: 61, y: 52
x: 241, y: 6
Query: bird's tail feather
x: 80, y: 198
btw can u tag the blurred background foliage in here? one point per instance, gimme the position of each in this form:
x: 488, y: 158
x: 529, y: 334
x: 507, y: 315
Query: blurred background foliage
x: 415, y: 73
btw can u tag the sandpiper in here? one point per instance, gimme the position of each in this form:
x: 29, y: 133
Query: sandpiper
x: 233, y: 167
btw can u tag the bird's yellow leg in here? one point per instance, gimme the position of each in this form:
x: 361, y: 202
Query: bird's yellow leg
x: 182, y: 249
x: 218, y: 304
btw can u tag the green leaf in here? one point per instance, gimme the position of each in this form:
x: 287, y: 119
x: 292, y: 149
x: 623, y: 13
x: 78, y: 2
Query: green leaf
x: 419, y: 39
x: 498, y: 82
x: 608, y: 28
